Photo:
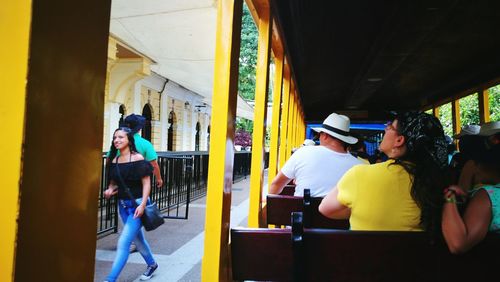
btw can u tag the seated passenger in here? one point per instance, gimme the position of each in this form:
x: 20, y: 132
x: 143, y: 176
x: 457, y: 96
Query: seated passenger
x: 318, y: 168
x: 482, y: 213
x: 469, y: 145
x: 482, y: 165
x: 402, y: 193
x: 307, y: 142
x: 358, y: 150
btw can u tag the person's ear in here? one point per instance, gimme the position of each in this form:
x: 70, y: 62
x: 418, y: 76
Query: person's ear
x: 400, y: 141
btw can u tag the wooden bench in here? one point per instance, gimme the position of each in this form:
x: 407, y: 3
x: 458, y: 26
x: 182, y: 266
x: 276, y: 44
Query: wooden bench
x: 279, y: 210
x: 301, y: 254
x: 288, y: 190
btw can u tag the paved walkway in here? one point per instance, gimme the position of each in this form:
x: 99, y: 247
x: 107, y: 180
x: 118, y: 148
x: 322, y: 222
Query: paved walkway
x: 177, y: 245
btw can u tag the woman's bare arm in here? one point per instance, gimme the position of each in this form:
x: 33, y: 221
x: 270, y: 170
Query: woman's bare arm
x: 461, y: 234
x: 332, y: 208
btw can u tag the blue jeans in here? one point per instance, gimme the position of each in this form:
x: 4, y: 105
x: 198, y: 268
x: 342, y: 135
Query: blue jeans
x: 132, y: 231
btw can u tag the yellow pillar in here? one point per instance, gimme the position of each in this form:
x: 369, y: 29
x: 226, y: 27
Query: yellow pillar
x: 295, y: 117
x: 15, y: 29
x: 284, y: 117
x: 455, y: 109
x: 53, y: 117
x: 215, y: 264
x: 302, y: 127
x: 291, y: 116
x: 259, y: 122
x: 275, y: 127
x: 435, y: 111
x: 484, y: 106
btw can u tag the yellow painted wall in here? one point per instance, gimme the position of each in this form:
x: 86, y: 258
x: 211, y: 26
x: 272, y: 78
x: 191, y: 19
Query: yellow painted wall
x: 15, y: 18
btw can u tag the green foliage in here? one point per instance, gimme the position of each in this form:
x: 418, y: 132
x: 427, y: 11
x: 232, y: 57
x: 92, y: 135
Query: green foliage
x: 469, y: 110
x: 494, y: 103
x: 248, y: 56
x: 445, y: 118
x: 244, y: 124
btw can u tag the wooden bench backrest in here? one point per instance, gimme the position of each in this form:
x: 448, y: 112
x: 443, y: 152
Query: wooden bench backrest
x: 288, y: 190
x: 342, y: 255
x: 261, y: 254
x: 392, y: 256
x: 279, y: 210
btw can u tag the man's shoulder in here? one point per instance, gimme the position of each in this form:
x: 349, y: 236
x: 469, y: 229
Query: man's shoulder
x: 142, y: 142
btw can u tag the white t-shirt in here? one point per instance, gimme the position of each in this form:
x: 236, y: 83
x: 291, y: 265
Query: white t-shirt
x: 317, y: 168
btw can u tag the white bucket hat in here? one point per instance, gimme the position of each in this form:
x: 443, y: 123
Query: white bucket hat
x: 337, y: 126
x: 308, y: 142
x: 471, y: 129
x: 490, y: 128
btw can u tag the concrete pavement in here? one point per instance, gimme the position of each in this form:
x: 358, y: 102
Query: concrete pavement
x: 177, y: 245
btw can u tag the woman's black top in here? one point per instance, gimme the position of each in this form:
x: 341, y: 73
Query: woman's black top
x: 132, y: 174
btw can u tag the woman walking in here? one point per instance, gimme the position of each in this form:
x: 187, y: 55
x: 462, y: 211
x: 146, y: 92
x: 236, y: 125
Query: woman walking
x: 129, y: 177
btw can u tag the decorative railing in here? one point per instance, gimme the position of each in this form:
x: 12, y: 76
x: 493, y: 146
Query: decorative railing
x: 184, y: 176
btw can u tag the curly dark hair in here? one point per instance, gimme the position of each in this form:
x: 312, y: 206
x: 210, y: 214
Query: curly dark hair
x: 425, y: 160
x: 131, y: 142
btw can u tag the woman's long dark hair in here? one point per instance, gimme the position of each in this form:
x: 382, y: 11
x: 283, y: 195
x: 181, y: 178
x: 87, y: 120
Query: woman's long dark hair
x: 425, y: 160
x: 131, y: 143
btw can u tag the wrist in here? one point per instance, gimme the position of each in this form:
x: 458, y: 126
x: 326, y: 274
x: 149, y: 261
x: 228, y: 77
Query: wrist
x: 451, y: 200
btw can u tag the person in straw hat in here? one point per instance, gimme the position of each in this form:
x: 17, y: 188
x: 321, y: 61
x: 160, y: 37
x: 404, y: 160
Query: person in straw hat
x: 482, y: 165
x: 318, y: 168
x: 482, y: 214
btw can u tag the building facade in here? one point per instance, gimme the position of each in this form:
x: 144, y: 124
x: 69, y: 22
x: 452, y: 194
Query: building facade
x: 177, y: 118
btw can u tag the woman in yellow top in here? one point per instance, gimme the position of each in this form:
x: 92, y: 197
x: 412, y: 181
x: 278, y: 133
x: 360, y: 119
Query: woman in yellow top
x: 403, y: 193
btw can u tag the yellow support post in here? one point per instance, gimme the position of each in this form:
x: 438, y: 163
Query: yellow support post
x: 275, y: 127
x: 302, y: 127
x: 284, y: 117
x: 291, y: 111
x: 49, y: 196
x: 484, y: 106
x: 215, y: 263
x: 14, y: 27
x: 295, y: 127
x: 435, y: 112
x: 455, y: 110
x: 259, y: 122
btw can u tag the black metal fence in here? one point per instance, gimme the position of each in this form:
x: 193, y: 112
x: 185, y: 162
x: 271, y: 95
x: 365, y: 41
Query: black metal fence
x: 184, y: 176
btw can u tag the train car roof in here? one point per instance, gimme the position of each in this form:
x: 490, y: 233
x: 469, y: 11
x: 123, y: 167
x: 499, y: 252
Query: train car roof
x: 366, y: 57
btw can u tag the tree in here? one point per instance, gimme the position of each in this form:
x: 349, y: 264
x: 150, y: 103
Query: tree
x: 494, y: 103
x: 248, y: 56
x: 469, y: 110
x: 244, y: 124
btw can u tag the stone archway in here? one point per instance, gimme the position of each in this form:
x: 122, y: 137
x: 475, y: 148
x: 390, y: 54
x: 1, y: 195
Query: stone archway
x: 146, y: 130
x: 121, y: 110
x: 171, y: 132
x: 197, y: 137
x: 208, y: 137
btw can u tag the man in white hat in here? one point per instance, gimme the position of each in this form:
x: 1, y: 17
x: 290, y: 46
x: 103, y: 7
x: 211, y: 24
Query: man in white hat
x: 318, y: 168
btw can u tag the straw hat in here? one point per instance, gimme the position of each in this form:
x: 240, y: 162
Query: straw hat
x: 337, y: 126
x: 471, y: 129
x: 308, y: 142
x: 490, y: 128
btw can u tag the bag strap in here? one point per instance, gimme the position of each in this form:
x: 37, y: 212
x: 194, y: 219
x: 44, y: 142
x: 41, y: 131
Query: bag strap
x: 127, y: 190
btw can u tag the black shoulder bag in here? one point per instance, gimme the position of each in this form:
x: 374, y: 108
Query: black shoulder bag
x: 152, y: 217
